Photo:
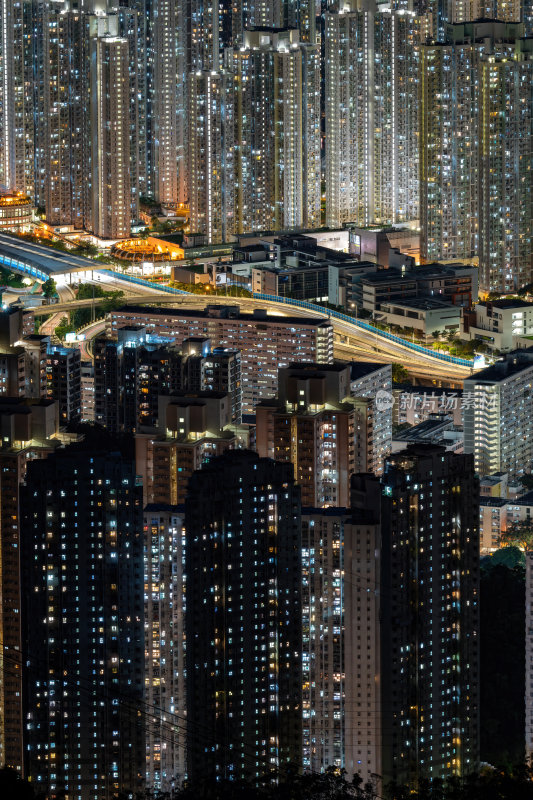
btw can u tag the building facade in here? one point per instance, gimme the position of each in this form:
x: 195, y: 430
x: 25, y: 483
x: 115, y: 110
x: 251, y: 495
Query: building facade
x: 426, y: 503
x: 82, y: 540
x: 316, y: 425
x: 341, y: 646
x: 164, y: 645
x: 28, y: 428
x: 371, y: 80
x: 497, y: 416
x: 243, y: 619
x: 475, y: 150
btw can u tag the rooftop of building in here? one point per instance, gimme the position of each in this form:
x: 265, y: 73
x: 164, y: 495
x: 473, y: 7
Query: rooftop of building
x: 177, y: 398
x: 426, y: 429
x: 480, y: 29
x: 494, y: 502
x: 360, y: 369
x: 437, y: 391
x: 422, y: 304
x: 417, y: 450
x: 45, y: 260
x: 312, y: 369
x: 512, y: 364
x: 387, y: 275
x: 14, y: 199
x: 436, y: 269
x: 154, y: 311
x: 492, y: 480
x: 312, y: 410
x: 507, y: 303
x: 22, y: 405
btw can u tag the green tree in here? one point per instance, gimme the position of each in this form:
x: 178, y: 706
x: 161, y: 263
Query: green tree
x: 527, y: 481
x: 87, y: 249
x: 63, y: 328
x: 49, y: 288
x: 399, y: 374
x: 519, y: 534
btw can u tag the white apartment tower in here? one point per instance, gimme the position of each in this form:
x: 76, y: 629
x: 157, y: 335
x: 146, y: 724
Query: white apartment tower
x: 374, y: 381
x: 168, y: 98
x: 505, y: 169
x: 64, y: 125
x: 372, y: 61
x: 16, y: 112
x: 498, y: 416
x: 254, y: 138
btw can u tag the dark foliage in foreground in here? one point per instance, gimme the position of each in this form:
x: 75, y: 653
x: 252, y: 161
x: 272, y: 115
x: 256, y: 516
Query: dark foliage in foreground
x: 489, y: 784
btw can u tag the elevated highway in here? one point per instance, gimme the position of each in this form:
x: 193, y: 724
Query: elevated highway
x: 351, y: 341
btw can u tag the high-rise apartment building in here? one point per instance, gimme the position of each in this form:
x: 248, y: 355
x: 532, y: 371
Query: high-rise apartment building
x: 63, y: 382
x: 211, y: 154
x: 438, y: 14
x: 374, y: 381
x: 255, y: 138
x: 87, y: 391
x: 341, y: 648
x: 426, y: 505
x: 164, y: 650
x: 265, y: 342
x: 192, y: 428
x: 23, y: 358
x: 110, y: 153
x: 315, y: 424
x: 62, y: 125
x: 130, y: 373
x: 277, y: 132
x: 89, y: 112
x: 506, y: 169
x: 27, y: 430
x: 82, y: 539
x: 215, y: 369
x: 243, y: 619
x: 16, y: 101
x: 371, y: 85
x: 498, y: 416
x: 167, y: 97
x: 475, y: 148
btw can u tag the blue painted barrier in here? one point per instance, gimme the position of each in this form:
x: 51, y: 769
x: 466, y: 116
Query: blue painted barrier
x: 21, y: 266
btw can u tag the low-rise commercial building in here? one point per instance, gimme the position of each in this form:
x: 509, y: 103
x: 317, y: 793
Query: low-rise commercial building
x: 500, y: 324
x: 455, y: 284
x: 423, y: 314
